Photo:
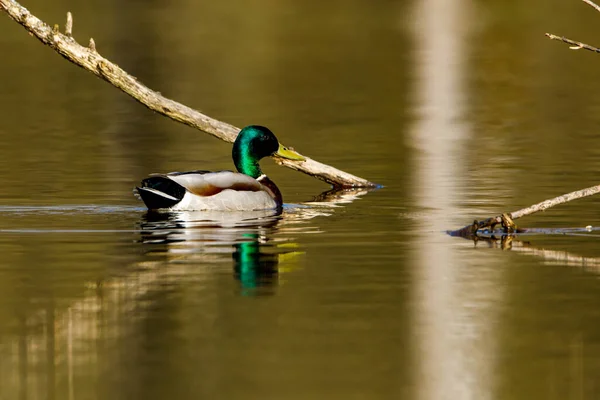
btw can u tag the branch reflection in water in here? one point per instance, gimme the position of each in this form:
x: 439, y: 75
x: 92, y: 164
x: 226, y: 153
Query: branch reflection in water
x: 517, y: 243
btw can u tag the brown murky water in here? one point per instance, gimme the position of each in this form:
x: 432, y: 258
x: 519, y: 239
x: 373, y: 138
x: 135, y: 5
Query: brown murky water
x: 462, y: 109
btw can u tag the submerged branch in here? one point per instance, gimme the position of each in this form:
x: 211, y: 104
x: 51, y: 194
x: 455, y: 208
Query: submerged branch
x: 89, y: 59
x: 506, y: 220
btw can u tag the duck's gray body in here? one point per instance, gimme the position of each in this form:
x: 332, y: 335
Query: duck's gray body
x: 204, y: 190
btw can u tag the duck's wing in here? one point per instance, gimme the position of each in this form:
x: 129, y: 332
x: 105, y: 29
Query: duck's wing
x: 204, y: 183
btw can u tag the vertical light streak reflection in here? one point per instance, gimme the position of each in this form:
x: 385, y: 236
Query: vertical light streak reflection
x: 70, y: 354
x: 453, y: 348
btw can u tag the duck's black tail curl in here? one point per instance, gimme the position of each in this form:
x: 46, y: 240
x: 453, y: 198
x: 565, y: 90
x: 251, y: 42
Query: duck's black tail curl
x: 159, y: 192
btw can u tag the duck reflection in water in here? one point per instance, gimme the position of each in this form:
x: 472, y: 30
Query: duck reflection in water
x: 203, y: 237
x: 260, y: 242
x: 253, y: 267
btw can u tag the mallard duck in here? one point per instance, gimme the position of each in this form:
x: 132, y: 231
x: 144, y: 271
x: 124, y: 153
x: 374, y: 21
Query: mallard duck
x: 245, y: 190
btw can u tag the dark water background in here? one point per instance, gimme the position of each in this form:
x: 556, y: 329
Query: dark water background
x: 462, y: 109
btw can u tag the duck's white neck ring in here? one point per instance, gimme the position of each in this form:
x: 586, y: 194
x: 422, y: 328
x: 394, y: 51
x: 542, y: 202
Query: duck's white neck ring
x: 260, y: 178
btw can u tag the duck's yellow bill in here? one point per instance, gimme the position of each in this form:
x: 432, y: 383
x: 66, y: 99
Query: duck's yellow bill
x: 289, y: 154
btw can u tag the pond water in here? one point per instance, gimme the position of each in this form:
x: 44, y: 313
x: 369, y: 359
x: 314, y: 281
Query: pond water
x: 461, y: 109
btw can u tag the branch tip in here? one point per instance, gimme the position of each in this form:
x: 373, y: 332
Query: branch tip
x: 92, y: 45
x: 69, y: 24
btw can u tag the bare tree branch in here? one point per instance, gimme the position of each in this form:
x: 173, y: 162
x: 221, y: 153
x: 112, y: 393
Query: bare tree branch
x: 591, y: 3
x: 546, y: 204
x: 89, y: 59
x: 575, y: 45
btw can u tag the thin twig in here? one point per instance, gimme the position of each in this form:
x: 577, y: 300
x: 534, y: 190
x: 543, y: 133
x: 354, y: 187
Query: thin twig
x: 90, y: 60
x: 575, y: 45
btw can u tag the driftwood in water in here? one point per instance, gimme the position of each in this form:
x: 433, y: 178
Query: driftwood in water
x: 89, y: 59
x: 506, y: 219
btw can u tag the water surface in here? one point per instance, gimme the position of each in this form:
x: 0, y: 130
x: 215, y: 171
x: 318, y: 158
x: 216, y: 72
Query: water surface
x: 460, y: 109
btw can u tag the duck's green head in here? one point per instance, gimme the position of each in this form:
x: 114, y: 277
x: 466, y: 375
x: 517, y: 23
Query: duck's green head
x: 255, y: 142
